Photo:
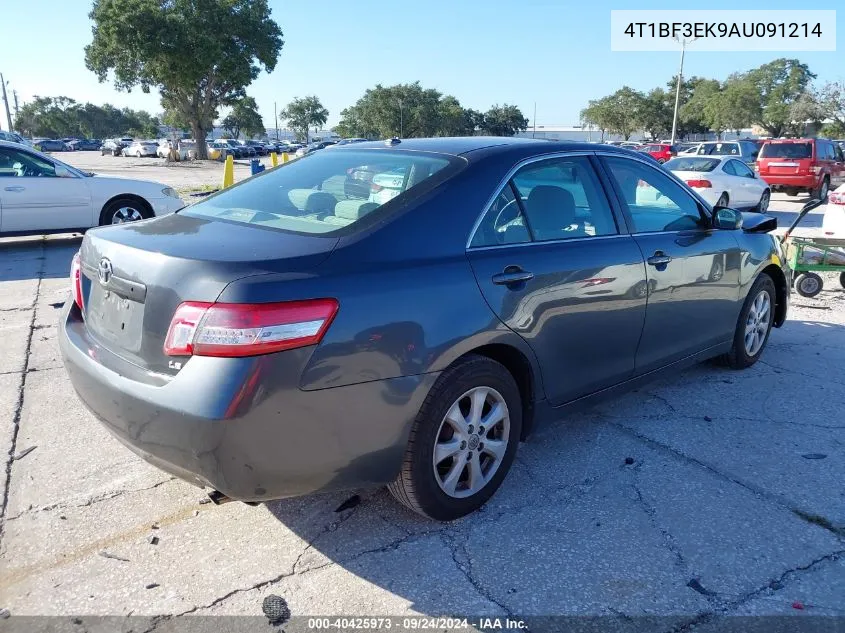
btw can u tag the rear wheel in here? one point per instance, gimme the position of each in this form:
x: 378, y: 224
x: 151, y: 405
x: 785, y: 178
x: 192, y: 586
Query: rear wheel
x: 124, y: 210
x: 808, y: 284
x: 463, y: 441
x: 754, y: 325
x: 763, y: 205
x: 842, y: 279
x: 821, y: 192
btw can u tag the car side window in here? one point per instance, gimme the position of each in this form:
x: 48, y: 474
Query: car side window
x: 729, y: 168
x: 562, y: 199
x: 838, y: 151
x: 654, y: 201
x: 504, y: 222
x: 15, y: 163
x: 742, y: 169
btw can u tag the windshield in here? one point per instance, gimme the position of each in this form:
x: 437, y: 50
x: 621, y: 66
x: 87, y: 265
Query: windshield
x: 324, y: 191
x: 692, y: 164
x: 786, y: 150
x: 719, y: 149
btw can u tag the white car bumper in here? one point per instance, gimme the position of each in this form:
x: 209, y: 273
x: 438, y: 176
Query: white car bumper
x: 166, y: 205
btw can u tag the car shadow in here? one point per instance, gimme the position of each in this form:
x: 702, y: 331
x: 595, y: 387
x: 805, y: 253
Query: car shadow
x: 44, y: 257
x: 567, y: 499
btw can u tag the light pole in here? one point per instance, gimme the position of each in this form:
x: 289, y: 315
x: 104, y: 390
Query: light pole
x: 683, y: 44
x: 6, y: 101
x: 401, y: 120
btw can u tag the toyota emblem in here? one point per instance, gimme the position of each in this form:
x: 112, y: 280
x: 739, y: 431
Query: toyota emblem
x: 104, y: 271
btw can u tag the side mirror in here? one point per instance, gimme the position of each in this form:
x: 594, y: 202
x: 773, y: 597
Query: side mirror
x: 62, y: 172
x: 727, y: 219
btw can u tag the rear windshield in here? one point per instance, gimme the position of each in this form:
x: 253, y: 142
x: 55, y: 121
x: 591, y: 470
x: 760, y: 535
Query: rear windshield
x: 786, y: 150
x: 692, y: 164
x: 325, y: 191
x: 719, y: 149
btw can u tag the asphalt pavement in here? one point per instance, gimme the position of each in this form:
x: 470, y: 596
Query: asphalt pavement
x: 711, y: 492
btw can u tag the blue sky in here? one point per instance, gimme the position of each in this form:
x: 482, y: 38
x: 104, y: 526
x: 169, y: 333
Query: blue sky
x: 554, y: 53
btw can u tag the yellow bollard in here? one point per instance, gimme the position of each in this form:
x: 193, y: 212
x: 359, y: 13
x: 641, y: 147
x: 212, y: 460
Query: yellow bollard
x: 285, y: 157
x: 229, y: 172
x: 274, y: 160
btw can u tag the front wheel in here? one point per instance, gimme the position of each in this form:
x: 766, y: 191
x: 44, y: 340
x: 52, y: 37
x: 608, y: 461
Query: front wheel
x: 754, y: 325
x: 808, y: 285
x: 842, y: 279
x: 123, y: 211
x: 821, y: 193
x: 463, y: 441
x: 763, y: 205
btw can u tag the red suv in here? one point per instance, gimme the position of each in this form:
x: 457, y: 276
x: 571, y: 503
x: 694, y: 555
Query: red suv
x: 660, y: 151
x: 814, y: 165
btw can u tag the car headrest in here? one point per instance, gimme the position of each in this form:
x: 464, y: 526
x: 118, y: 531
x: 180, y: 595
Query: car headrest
x: 298, y: 197
x: 320, y: 202
x: 550, y: 208
x: 354, y: 209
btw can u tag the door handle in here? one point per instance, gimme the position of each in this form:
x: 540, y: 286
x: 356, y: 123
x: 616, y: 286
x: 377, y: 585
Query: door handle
x: 512, y: 275
x: 15, y: 189
x: 659, y: 259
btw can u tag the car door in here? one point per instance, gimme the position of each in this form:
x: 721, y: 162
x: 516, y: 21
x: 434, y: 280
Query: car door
x: 36, y: 197
x: 556, y: 265
x: 837, y: 176
x: 752, y: 186
x: 693, y: 269
x: 732, y: 184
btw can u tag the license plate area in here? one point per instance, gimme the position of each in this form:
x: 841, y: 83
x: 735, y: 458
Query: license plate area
x: 114, y: 318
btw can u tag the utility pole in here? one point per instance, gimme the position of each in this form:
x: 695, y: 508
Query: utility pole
x: 6, y: 101
x: 15, y: 95
x: 401, y: 120
x: 276, y: 115
x: 683, y: 44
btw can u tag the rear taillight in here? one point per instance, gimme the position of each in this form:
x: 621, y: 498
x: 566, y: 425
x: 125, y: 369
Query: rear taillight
x: 76, y: 281
x: 816, y: 169
x: 238, y: 329
x: 700, y: 184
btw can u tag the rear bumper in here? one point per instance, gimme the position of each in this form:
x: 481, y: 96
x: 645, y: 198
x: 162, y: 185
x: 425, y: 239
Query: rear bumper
x: 778, y: 182
x: 243, y: 426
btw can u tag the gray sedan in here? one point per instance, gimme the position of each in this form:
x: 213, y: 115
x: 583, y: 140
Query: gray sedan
x: 292, y: 334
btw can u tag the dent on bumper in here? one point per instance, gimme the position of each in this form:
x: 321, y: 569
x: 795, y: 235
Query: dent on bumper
x: 243, y: 426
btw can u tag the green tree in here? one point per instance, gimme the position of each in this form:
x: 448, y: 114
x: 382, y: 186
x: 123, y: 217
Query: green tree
x: 200, y: 54
x: 656, y: 112
x: 697, y: 114
x: 778, y: 85
x: 831, y: 101
x: 303, y: 113
x: 405, y: 110
x: 806, y: 109
x: 245, y: 118
x: 623, y: 110
x: 504, y: 120
x: 597, y: 114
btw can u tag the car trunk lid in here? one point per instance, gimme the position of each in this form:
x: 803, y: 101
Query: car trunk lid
x: 136, y: 275
x: 786, y: 159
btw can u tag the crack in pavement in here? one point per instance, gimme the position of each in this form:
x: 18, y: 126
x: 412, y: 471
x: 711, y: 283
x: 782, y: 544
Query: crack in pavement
x: 457, y: 547
x: 106, y: 496
x: 736, y: 603
x: 760, y: 492
x: 16, y: 420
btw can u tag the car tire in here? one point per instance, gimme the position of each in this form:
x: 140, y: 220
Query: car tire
x: 822, y: 191
x: 469, y: 390
x: 758, y: 311
x: 763, y: 205
x: 808, y: 285
x: 722, y: 201
x: 842, y: 279
x: 132, y: 209
x: 791, y: 192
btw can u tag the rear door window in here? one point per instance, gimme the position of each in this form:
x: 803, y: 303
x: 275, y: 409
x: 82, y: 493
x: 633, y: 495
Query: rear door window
x: 327, y: 191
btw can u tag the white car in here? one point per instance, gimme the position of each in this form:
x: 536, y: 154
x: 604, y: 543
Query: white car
x: 39, y: 194
x: 722, y: 181
x: 833, y: 224
x: 141, y: 148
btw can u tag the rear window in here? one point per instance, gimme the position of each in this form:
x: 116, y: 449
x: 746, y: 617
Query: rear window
x: 786, y: 150
x: 692, y: 164
x: 719, y: 149
x: 325, y: 192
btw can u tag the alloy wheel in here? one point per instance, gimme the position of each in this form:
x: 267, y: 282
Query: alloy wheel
x: 126, y: 214
x: 764, y: 202
x: 757, y: 323
x: 471, y: 442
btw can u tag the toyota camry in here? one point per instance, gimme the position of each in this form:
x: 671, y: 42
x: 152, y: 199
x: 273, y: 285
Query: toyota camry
x: 310, y: 329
